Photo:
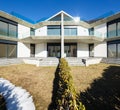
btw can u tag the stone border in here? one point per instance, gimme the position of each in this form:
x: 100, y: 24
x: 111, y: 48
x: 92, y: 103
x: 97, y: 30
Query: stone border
x: 16, y: 98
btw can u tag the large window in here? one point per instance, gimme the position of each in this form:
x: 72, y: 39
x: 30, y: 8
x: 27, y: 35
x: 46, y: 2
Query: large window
x: 3, y: 50
x: 12, y: 30
x: 53, y: 30
x: 8, y: 50
x: 3, y: 28
x: 112, y: 50
x: 70, y: 31
x: 113, y: 28
x: 11, y: 51
x: 8, y: 27
x: 119, y: 29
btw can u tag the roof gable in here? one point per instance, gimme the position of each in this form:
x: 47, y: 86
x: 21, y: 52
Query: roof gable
x: 57, y: 17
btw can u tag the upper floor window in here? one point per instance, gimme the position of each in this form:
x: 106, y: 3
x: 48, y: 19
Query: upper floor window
x: 113, y: 28
x: 70, y: 30
x: 32, y: 31
x: 53, y: 30
x: 8, y: 28
x: 91, y: 31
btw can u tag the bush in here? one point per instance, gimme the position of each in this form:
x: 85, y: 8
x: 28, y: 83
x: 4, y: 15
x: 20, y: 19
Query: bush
x: 66, y: 94
x: 2, y: 103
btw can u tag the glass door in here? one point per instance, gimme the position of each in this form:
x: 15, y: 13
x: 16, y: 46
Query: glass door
x: 32, y: 50
x: 91, y: 50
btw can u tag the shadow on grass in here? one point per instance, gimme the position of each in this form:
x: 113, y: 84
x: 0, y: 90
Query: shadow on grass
x: 53, y: 105
x: 104, y: 93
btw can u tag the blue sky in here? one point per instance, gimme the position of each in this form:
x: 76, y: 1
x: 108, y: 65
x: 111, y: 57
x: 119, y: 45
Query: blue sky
x: 37, y: 9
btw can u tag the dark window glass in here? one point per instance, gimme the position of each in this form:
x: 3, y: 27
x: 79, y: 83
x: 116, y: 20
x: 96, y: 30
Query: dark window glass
x: 3, y: 50
x: 53, y: 30
x: 32, y: 32
x: 112, y: 30
x: 91, y: 31
x: 112, y: 50
x: 3, y: 28
x: 12, y: 50
x: 118, y: 50
x: 118, y: 28
x: 12, y: 30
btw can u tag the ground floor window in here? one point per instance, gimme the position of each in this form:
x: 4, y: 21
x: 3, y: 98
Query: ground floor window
x: 8, y: 50
x: 54, y: 49
x: 113, y: 49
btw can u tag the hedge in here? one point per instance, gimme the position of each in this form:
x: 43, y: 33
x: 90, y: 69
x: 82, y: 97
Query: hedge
x: 66, y: 95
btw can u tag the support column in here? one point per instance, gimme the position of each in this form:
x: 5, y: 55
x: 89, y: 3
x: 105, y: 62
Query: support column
x: 62, y: 35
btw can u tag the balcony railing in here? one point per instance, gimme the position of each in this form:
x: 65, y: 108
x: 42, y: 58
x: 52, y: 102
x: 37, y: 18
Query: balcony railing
x: 113, y: 33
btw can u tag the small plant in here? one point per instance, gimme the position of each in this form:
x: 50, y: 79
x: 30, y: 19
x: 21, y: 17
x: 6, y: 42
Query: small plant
x: 66, y: 94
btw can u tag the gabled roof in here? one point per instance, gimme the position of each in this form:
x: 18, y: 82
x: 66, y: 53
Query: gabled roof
x: 59, y: 14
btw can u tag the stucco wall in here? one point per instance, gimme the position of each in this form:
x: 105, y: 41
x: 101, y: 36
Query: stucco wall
x: 23, y: 50
x: 82, y: 50
x: 100, y: 50
x: 41, y: 31
x: 41, y: 50
x: 23, y: 31
x: 82, y: 31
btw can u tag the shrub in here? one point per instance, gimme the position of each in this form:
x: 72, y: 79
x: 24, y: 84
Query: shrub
x: 66, y: 94
x: 2, y: 103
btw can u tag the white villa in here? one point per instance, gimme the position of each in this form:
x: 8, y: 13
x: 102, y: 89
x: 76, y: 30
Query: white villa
x: 61, y: 35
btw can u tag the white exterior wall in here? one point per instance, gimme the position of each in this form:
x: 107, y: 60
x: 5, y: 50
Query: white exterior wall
x: 82, y: 31
x: 23, y: 50
x: 41, y: 31
x: 23, y: 31
x: 100, y: 50
x: 82, y: 50
x: 101, y: 30
x: 41, y: 50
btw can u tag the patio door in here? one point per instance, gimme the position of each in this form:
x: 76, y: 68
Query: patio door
x: 91, y: 50
x: 54, y: 50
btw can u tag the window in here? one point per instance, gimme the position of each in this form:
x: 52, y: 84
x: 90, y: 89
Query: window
x: 53, y: 30
x: 12, y: 30
x: 8, y: 27
x: 32, y: 31
x: 118, y: 28
x: 112, y: 30
x: 3, y: 50
x: 91, y: 31
x: 112, y: 50
x: 11, y: 51
x: 70, y: 31
x: 3, y: 28
x: 119, y: 50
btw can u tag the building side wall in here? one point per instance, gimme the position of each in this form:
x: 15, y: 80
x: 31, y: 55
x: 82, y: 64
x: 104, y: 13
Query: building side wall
x: 23, y: 50
x: 82, y: 50
x: 100, y: 50
x: 41, y: 31
x: 101, y: 30
x: 82, y: 31
x: 41, y: 50
x: 23, y: 31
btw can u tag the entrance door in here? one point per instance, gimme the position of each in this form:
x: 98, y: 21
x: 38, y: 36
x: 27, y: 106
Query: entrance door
x: 54, y: 50
x: 32, y: 50
x: 91, y: 50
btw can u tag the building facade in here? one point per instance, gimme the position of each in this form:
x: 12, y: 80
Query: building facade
x: 59, y: 36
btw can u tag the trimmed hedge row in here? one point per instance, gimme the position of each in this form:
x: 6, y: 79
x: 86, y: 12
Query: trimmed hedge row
x: 2, y: 103
x: 66, y: 95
